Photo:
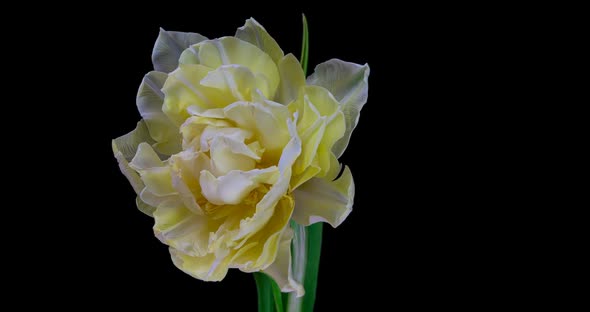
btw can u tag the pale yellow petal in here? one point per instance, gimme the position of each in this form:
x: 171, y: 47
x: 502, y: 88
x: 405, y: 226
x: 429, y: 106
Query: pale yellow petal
x: 292, y: 79
x: 265, y: 208
x: 280, y: 269
x: 262, y: 254
x: 145, y: 158
x: 185, y: 169
x: 231, y: 50
x: 183, y: 89
x: 150, y: 99
x: 206, y: 268
x: 178, y: 227
x: 232, y: 188
x: 255, y: 34
x: 349, y: 83
x: 268, y: 122
x: 321, y: 200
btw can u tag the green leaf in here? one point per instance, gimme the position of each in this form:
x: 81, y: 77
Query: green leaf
x: 269, y: 294
x: 304, y: 46
x: 314, y: 247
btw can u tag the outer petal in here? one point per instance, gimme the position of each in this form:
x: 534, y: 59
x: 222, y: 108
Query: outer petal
x: 280, y: 269
x: 255, y: 34
x: 348, y: 82
x: 149, y: 104
x: 292, y: 79
x: 169, y: 46
x: 208, y: 268
x: 180, y: 228
x: 124, y: 149
x: 231, y: 50
x: 324, y: 200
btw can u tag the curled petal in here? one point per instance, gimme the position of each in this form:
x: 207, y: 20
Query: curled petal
x: 349, y: 84
x: 169, y: 46
x: 321, y: 200
x: 280, y: 269
x: 233, y: 187
x: 255, y: 34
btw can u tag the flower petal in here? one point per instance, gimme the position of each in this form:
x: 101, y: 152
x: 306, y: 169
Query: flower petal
x: 348, y: 82
x: 263, y: 246
x: 268, y: 122
x: 207, y: 268
x: 255, y: 34
x: 233, y: 187
x: 266, y: 206
x: 178, y: 227
x: 145, y: 158
x: 237, y: 80
x: 169, y: 46
x: 324, y: 200
x: 149, y: 104
x: 183, y: 89
x: 292, y: 79
x: 231, y: 50
x: 124, y: 149
x: 280, y: 269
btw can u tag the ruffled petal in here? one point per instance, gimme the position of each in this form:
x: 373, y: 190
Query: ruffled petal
x: 349, y: 84
x: 324, y: 200
x: 268, y: 122
x: 255, y: 34
x: 280, y: 269
x: 231, y: 50
x: 149, y: 103
x: 233, y: 187
x: 292, y: 79
x: 169, y: 46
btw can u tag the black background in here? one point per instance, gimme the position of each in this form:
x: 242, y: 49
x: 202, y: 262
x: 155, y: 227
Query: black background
x: 410, y: 238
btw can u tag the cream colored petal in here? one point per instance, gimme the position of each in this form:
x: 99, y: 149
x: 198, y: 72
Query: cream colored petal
x: 125, y: 148
x: 311, y: 139
x: 292, y: 79
x: 193, y: 127
x: 183, y: 89
x: 206, y: 268
x: 210, y: 113
x: 268, y: 122
x: 307, y: 174
x: 237, y: 80
x: 262, y: 254
x: 228, y: 154
x: 186, y: 167
x: 231, y: 50
x: 233, y: 187
x: 265, y: 208
x: 255, y: 34
x: 178, y: 227
x: 232, y: 133
x: 327, y: 106
x: 348, y: 82
x: 144, y: 207
x: 321, y: 200
x: 149, y: 103
x: 158, y: 181
x: 145, y: 158
x: 169, y: 46
x: 280, y: 269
